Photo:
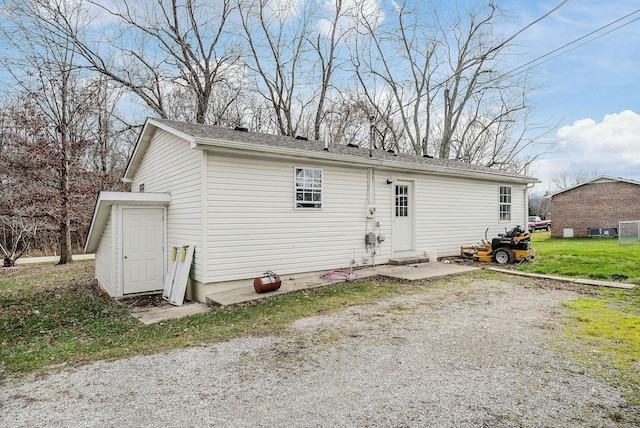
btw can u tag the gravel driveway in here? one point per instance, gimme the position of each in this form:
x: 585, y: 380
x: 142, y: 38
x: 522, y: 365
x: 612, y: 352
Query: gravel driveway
x: 476, y: 354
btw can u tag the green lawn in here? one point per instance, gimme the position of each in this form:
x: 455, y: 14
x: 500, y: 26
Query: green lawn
x: 604, y: 323
x: 595, y: 258
x: 53, y: 314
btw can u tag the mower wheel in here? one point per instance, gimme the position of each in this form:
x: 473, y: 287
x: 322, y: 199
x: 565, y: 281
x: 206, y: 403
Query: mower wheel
x: 503, y: 256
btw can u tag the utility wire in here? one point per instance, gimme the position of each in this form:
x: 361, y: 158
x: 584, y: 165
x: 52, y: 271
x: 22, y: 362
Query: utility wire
x: 532, y: 23
x: 502, y: 44
x: 534, y: 62
x: 519, y: 69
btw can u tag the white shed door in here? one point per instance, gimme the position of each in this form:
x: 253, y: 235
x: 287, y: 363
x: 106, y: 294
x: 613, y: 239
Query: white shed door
x: 402, y: 217
x: 142, y: 250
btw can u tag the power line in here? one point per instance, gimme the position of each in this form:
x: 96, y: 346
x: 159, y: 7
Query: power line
x: 532, y: 23
x: 534, y: 61
x: 504, y: 42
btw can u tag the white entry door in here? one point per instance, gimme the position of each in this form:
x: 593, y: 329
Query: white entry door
x: 403, y: 217
x: 142, y: 250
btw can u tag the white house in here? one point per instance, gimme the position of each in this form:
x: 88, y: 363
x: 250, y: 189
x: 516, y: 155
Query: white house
x: 252, y: 202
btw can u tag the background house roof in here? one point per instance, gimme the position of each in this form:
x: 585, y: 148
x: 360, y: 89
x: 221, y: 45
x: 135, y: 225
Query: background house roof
x: 599, y: 179
x: 200, y: 135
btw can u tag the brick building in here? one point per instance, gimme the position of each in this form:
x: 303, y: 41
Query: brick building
x: 595, y: 204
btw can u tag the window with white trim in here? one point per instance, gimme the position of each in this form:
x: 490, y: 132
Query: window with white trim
x: 308, y: 188
x: 402, y: 200
x: 505, y: 203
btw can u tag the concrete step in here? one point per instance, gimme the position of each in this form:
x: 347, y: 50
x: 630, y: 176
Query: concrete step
x: 409, y: 260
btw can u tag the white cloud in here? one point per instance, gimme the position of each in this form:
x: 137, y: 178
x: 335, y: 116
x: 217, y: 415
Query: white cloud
x: 610, y: 147
x: 612, y: 143
x: 353, y: 12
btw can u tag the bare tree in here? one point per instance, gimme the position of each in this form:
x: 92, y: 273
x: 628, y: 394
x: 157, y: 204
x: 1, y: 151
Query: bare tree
x: 472, y: 51
x: 45, y: 68
x: 276, y: 38
x: 418, y: 55
x: 394, y: 61
x: 53, y: 120
x: 327, y: 44
x: 155, y: 48
x: 108, y: 131
x: 32, y: 182
x: 565, y: 179
x: 354, y: 120
x: 539, y: 204
x: 21, y: 215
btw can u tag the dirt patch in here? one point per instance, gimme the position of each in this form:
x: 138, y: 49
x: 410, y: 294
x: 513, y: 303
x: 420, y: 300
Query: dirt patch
x: 143, y: 301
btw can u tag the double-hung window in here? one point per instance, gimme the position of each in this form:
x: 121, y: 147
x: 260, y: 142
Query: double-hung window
x: 505, y: 203
x: 402, y: 200
x: 308, y: 188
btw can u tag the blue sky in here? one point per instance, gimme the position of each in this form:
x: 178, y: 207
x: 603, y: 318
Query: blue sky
x: 588, y: 96
x: 591, y: 92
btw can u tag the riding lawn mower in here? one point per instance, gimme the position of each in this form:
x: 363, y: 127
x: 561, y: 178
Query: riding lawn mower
x: 510, y: 247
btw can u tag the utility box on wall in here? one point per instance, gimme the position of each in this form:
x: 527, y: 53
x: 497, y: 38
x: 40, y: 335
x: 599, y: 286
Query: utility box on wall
x: 603, y: 232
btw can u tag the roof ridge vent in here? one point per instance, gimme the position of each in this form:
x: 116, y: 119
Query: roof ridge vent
x: 241, y: 129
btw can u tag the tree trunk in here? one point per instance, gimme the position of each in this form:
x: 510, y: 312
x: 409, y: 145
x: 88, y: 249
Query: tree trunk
x: 445, y: 144
x: 65, y: 241
x: 65, y: 220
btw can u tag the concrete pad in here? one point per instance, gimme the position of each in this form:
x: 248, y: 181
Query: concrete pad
x: 581, y: 281
x: 153, y: 314
x: 246, y: 293
x: 398, y: 261
x: 530, y: 275
x: 605, y: 283
x: 425, y: 270
x: 53, y: 259
x: 243, y: 291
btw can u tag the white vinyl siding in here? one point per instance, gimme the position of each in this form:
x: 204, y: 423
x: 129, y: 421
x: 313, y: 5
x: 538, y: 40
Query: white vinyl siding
x: 239, y: 211
x: 254, y: 227
x: 452, y: 211
x: 105, y: 258
x: 170, y: 165
x: 108, y: 254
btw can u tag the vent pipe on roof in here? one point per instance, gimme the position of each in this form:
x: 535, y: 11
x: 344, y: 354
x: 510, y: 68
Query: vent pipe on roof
x: 371, y: 135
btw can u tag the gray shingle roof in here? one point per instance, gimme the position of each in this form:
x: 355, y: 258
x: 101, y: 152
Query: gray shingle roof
x: 203, y: 133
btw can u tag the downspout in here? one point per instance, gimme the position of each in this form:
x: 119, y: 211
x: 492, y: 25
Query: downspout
x: 371, y: 237
x: 526, y: 205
